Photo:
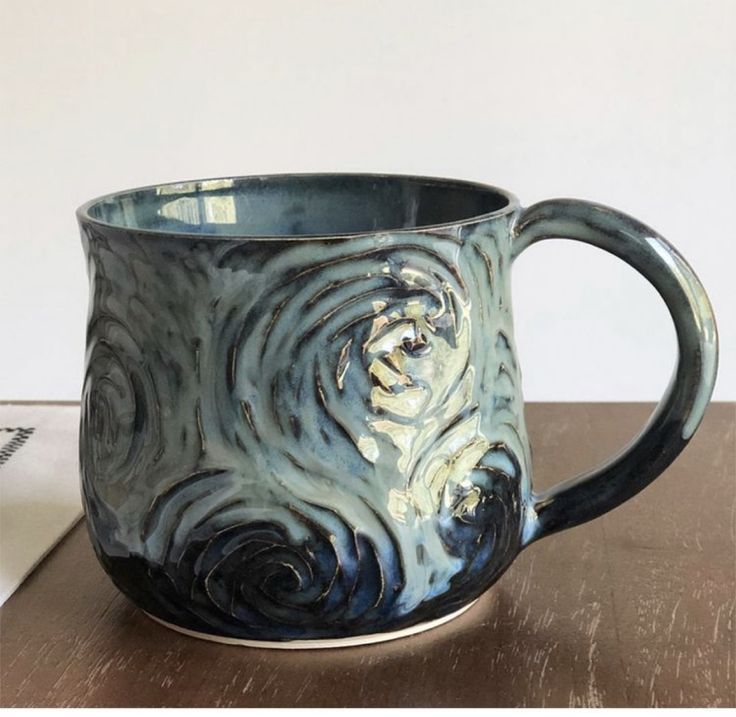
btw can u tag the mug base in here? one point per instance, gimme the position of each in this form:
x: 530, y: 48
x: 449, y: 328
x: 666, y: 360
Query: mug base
x: 318, y: 644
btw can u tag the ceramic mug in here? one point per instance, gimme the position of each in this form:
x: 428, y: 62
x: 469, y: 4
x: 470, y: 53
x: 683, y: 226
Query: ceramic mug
x: 302, y: 421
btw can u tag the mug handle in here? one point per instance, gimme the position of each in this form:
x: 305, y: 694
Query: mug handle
x: 681, y: 409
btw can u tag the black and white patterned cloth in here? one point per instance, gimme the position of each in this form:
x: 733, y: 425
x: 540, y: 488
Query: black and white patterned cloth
x: 39, y: 485
x: 16, y: 438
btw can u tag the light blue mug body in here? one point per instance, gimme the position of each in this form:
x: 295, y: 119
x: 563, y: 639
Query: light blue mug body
x: 302, y: 411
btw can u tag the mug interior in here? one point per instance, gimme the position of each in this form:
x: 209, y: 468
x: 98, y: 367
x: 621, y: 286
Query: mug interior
x: 298, y: 205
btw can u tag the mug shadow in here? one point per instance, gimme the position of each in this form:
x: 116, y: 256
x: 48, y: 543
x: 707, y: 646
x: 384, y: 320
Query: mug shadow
x: 478, y: 659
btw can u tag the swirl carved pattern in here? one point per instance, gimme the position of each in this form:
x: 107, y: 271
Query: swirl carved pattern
x: 289, y: 440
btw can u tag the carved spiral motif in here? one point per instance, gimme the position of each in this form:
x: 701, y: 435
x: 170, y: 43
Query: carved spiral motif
x: 257, y: 574
x: 344, y: 342
x: 336, y: 473
x: 120, y: 412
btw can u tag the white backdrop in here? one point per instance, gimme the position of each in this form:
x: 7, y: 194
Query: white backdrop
x: 631, y: 103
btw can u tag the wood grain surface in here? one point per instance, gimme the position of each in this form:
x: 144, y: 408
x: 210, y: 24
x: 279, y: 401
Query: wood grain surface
x: 634, y: 609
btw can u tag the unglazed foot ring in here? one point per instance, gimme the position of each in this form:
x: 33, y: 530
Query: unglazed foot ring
x: 319, y: 644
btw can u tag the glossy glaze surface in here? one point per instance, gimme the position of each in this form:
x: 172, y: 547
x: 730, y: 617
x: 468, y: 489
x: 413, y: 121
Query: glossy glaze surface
x: 296, y: 437
x: 303, y: 439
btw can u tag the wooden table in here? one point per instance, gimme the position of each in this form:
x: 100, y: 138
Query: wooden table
x: 634, y: 609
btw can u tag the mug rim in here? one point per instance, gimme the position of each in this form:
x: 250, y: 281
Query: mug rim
x: 512, y: 204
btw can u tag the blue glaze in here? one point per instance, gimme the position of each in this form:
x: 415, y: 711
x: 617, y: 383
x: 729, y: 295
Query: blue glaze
x: 302, y: 413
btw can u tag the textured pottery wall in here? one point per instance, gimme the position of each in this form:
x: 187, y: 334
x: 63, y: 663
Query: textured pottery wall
x: 326, y: 437
x: 631, y: 104
x: 309, y: 438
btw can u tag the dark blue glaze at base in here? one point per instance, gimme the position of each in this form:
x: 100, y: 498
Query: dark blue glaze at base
x: 177, y: 594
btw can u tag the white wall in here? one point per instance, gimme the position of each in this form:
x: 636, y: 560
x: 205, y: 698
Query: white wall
x: 632, y: 103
